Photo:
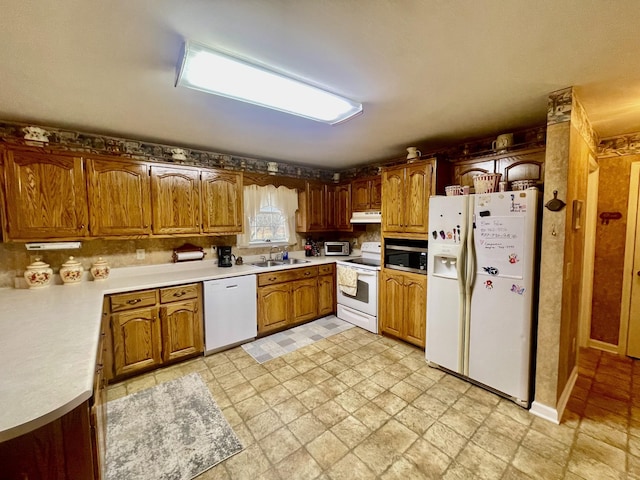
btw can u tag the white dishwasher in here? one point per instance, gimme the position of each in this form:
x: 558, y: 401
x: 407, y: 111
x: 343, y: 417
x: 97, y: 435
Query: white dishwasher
x: 230, y: 313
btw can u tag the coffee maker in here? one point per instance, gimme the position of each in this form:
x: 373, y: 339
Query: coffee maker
x: 224, y: 256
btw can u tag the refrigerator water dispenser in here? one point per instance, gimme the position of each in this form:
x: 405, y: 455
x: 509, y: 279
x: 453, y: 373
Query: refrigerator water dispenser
x: 445, y: 266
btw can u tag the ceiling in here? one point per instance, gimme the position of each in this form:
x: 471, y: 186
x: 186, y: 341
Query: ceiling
x: 430, y: 73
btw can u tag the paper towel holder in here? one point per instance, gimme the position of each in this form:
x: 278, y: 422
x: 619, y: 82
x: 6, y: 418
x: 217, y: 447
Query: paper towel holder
x: 188, y: 252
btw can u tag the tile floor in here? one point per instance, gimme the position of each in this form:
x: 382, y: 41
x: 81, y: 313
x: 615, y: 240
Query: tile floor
x: 360, y: 406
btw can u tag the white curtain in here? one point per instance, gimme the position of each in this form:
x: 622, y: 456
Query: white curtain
x: 258, y: 197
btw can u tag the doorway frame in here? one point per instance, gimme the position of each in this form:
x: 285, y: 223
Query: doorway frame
x: 629, y: 253
x: 588, y: 259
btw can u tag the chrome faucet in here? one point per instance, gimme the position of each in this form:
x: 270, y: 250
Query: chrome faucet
x: 271, y: 251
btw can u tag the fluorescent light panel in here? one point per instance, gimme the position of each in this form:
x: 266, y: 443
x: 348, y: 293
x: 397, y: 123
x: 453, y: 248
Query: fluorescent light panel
x: 214, y: 72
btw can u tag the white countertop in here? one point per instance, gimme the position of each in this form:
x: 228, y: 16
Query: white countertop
x: 49, y: 337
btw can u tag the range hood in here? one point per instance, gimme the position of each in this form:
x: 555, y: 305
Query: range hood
x: 366, y: 217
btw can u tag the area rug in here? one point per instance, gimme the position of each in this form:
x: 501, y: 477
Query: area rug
x: 278, y: 344
x: 174, y: 430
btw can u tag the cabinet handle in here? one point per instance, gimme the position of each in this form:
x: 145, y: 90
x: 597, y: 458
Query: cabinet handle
x: 145, y: 226
x: 180, y: 294
x: 307, y: 274
x: 271, y: 279
x: 82, y: 226
x: 133, y: 301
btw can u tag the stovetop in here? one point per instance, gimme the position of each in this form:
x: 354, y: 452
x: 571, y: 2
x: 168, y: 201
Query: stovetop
x: 364, y: 261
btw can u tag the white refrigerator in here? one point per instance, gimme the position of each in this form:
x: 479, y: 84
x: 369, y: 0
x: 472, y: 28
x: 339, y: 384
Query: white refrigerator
x: 481, y: 289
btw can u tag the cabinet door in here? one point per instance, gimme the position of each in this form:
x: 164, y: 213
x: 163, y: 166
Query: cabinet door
x: 464, y: 172
x: 221, y: 202
x: 392, y: 200
x: 416, y: 202
x: 46, y: 196
x: 181, y: 329
x: 316, y: 207
x: 175, y: 197
x: 326, y: 295
x: 136, y: 340
x: 522, y: 167
x: 119, y: 197
x: 343, y: 208
x: 305, y: 300
x: 415, y: 305
x: 274, y: 307
x: 361, y: 195
x: 331, y: 204
x: 391, y: 308
x: 375, y: 193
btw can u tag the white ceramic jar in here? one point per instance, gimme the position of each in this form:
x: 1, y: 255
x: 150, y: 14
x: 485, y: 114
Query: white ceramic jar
x: 38, y: 274
x: 71, y: 272
x: 100, y: 269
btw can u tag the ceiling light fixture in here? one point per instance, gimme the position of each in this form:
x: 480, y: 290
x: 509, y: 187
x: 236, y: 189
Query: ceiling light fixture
x: 214, y: 72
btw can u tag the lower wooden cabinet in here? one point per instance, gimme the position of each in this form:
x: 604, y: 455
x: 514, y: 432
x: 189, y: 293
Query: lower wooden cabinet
x: 168, y: 328
x: 403, y: 306
x: 326, y: 290
x: 294, y: 296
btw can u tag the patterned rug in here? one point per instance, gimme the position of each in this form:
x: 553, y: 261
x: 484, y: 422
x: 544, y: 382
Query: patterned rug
x: 174, y: 430
x: 278, y: 344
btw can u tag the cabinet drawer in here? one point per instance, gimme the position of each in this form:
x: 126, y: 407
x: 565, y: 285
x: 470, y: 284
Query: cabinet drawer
x: 127, y: 301
x: 326, y: 269
x: 182, y: 292
x: 287, y: 275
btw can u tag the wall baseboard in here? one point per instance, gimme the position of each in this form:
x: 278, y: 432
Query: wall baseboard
x: 555, y: 414
x: 604, y: 346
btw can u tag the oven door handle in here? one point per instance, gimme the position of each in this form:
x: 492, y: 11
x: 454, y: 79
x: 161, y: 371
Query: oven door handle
x: 362, y: 273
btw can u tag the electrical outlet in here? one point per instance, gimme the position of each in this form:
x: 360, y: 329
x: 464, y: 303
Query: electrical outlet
x: 140, y: 254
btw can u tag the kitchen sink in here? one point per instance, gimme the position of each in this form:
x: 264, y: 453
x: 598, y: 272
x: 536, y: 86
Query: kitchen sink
x: 275, y: 263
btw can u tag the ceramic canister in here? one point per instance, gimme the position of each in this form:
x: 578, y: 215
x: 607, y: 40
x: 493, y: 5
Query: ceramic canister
x: 38, y: 274
x: 100, y: 269
x: 71, y: 272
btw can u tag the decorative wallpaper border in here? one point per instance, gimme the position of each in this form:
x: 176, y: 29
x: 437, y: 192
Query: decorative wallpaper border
x: 583, y: 125
x: 22, y: 133
x: 628, y: 144
x: 559, y: 106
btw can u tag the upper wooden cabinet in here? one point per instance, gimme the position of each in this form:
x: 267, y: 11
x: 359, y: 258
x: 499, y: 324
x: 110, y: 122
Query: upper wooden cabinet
x: 522, y: 165
x: 324, y: 208
x: 366, y: 194
x: 175, y: 198
x: 46, y: 196
x: 405, y: 196
x: 119, y: 197
x: 222, y: 210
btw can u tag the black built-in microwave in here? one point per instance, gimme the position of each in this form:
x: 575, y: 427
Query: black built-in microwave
x: 406, y: 255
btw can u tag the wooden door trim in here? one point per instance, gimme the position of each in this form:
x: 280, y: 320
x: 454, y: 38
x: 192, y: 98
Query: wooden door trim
x: 629, y: 253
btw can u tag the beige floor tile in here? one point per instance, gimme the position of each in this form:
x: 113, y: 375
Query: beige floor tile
x: 535, y: 466
x: 290, y: 409
x: 506, y: 426
x: 330, y: 413
x: 512, y: 473
x: 327, y: 449
x: 562, y: 433
x: 501, y: 446
x: 274, y: 364
x: 139, y: 384
x: 515, y: 412
x: 546, y: 447
x: 223, y: 369
x: 406, y: 391
x: 317, y: 375
x: 399, y: 371
x: 430, y: 405
x: 371, y: 415
x: 389, y: 402
x: 429, y: 460
x: 368, y: 389
x: 350, y: 400
x: 254, y: 371
x: 584, y: 466
x: 166, y: 375
x: 599, y: 451
x: 263, y: 424
x: 249, y: 463
x: 264, y: 382
x: 351, y: 431
x: 378, y: 449
x: 303, y: 365
x: 603, y: 432
x: 116, y: 391
x: 445, y: 439
x: 459, y: 422
x: 306, y: 428
x: 300, y: 464
x: 241, y: 392
x: 458, y: 472
x: 351, y: 467
x: 384, y: 379
x: 312, y: 397
x: 285, y: 373
x: 276, y: 395
x: 478, y: 411
x: 350, y: 377
x: 414, y: 419
x: 279, y: 444
x: 232, y: 416
x: 332, y: 387
x: 485, y: 465
x: 402, y: 469
x: 231, y: 380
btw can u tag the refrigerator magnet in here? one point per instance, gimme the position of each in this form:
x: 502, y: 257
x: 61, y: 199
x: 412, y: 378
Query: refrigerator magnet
x: 488, y: 284
x: 517, y: 289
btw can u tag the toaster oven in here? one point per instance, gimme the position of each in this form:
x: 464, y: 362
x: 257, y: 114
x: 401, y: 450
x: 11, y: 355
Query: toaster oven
x: 336, y: 248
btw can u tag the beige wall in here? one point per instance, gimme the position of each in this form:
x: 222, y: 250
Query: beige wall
x: 122, y: 253
x: 570, y: 141
x: 613, y: 196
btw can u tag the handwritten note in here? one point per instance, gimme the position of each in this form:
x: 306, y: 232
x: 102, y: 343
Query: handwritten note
x: 499, y: 246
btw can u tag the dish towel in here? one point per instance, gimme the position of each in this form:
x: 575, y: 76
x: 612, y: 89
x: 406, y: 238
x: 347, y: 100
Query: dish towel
x: 347, y: 280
